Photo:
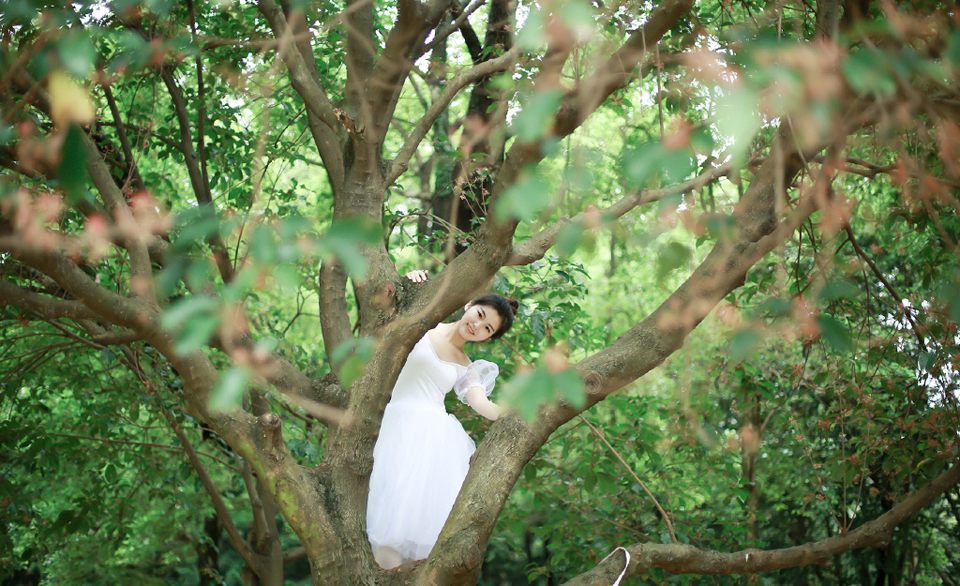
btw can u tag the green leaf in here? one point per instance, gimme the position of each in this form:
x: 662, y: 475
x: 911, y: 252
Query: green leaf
x: 7, y: 133
x: 536, y: 117
x: 569, y: 238
x: 835, y: 333
x: 720, y: 226
x: 185, y: 310
x: 538, y: 326
x: 197, y: 333
x: 171, y: 274
x: 775, y: 307
x: 263, y: 249
x: 571, y: 388
x: 529, y: 473
x: 532, y: 36
x: 527, y: 392
x: 133, y: 51
x: 228, y: 394
x: 242, y: 283
x: 867, y: 72
x: 524, y: 200
x: 641, y: 163
x: 676, y: 164
x: 671, y: 257
x: 77, y: 53
x: 953, y: 296
x: 72, y: 172
x: 578, y: 16
x: 839, y: 289
x: 199, y: 224
x: 352, y: 357
x: 743, y: 344
x: 952, y: 53
x: 343, y: 350
x: 194, y: 321
x: 652, y: 159
x: 344, y: 240
x: 738, y: 120
x: 22, y: 11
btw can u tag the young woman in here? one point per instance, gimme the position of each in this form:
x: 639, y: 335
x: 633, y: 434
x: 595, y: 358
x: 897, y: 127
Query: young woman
x: 422, y: 454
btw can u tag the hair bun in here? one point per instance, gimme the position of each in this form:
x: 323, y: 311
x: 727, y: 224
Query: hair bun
x: 514, y: 305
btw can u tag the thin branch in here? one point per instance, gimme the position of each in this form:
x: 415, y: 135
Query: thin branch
x: 130, y: 312
x: 452, y: 88
x: 144, y: 444
x: 209, y: 42
x: 201, y: 188
x: 313, y: 96
x: 617, y: 70
x: 663, y: 514
x: 99, y: 337
x: 133, y: 174
x: 917, y: 328
x: 577, y: 105
x: 239, y: 543
x: 537, y: 245
x: 321, y: 118
x: 461, y: 23
x: 294, y: 554
x: 43, y: 305
x: 135, y: 241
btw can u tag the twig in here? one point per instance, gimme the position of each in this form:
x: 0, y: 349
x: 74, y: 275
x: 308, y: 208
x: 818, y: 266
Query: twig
x: 666, y: 518
x: 144, y: 444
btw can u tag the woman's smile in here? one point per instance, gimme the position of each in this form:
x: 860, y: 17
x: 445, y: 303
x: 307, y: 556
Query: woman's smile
x: 479, y: 323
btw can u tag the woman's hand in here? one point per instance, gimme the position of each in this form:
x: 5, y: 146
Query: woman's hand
x: 418, y: 276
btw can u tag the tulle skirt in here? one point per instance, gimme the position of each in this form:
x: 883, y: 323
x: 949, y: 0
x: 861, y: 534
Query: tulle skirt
x: 419, y: 463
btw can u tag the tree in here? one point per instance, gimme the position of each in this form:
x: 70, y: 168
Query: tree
x: 750, y: 140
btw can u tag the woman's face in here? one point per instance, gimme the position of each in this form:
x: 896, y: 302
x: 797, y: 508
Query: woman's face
x: 478, y: 323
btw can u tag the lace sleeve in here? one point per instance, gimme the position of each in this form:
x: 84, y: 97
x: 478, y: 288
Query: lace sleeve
x: 481, y: 373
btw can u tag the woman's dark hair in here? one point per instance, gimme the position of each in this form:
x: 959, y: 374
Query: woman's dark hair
x: 507, y: 308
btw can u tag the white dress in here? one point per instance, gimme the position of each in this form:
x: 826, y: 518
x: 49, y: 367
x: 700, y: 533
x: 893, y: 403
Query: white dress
x: 422, y: 454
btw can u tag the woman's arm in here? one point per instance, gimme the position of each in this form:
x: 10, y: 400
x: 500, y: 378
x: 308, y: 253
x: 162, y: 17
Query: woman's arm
x: 478, y: 401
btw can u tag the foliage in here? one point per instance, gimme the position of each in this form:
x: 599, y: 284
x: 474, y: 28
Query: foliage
x: 732, y: 229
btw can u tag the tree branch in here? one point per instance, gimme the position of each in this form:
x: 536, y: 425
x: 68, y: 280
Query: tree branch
x: 43, y: 305
x: 469, y: 35
x: 146, y: 445
x: 452, y: 88
x: 580, y: 103
x: 461, y: 23
x: 617, y: 71
x: 537, y: 245
x: 201, y: 188
x: 240, y: 544
x: 134, y: 239
x: 313, y: 96
x: 686, y: 559
x: 132, y: 313
x: 133, y: 174
x: 291, y: 31
x: 918, y: 330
